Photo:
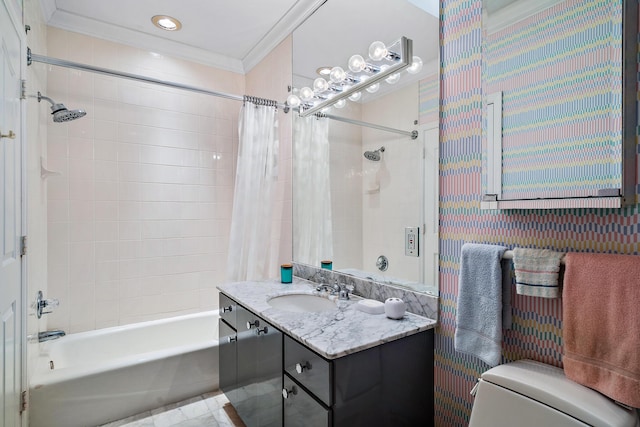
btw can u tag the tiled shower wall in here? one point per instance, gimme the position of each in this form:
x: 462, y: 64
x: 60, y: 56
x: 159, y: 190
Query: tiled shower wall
x: 536, y: 332
x: 138, y: 219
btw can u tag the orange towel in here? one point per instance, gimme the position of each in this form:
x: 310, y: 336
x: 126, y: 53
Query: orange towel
x: 601, y: 324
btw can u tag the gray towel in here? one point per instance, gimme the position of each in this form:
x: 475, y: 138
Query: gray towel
x: 479, y: 316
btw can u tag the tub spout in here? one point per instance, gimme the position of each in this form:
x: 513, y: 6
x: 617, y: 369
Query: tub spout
x: 50, y: 335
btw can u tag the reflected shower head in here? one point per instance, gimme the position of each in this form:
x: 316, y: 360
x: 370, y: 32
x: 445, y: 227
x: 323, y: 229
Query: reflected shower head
x: 60, y: 113
x: 374, y: 155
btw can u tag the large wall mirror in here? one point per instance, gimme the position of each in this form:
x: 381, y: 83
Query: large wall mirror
x: 559, y: 83
x: 365, y: 198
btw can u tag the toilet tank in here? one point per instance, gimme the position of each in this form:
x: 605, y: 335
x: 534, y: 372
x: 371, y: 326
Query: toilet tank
x: 531, y: 394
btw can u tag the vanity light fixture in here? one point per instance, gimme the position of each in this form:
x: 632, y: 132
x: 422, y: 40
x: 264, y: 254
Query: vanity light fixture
x: 323, y: 71
x: 166, y: 22
x: 338, y: 84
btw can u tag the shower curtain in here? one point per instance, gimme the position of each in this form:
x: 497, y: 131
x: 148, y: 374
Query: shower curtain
x: 312, y: 226
x: 253, y: 204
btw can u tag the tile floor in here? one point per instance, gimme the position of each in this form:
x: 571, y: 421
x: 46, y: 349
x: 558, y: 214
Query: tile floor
x: 202, y: 411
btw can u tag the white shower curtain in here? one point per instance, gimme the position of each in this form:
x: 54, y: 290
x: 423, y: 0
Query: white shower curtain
x: 312, y: 226
x: 256, y: 177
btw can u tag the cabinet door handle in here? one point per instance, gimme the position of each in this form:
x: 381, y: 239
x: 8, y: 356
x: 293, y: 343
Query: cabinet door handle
x: 301, y: 367
x: 252, y: 324
x: 232, y: 339
x: 225, y: 309
x: 288, y: 393
x: 262, y: 331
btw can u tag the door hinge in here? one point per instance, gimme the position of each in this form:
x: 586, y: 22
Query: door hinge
x: 23, y: 89
x: 23, y: 245
x: 23, y: 401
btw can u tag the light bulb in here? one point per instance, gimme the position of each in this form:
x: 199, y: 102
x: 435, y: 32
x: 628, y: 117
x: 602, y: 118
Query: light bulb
x: 306, y: 94
x: 340, y: 103
x: 320, y: 85
x: 356, y: 63
x: 337, y: 74
x: 377, y: 51
x: 415, y: 66
x: 393, y: 78
x: 355, y: 96
x: 373, y: 88
x: 293, y: 101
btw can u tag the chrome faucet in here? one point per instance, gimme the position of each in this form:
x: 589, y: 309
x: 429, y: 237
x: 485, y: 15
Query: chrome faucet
x: 341, y: 290
x: 332, y: 289
x: 50, y: 335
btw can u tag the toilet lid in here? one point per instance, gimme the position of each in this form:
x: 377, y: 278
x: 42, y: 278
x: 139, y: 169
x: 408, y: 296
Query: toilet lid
x: 548, y: 385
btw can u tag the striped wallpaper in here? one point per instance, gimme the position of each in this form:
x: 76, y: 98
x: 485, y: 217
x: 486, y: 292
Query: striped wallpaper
x: 537, y: 323
x: 558, y: 71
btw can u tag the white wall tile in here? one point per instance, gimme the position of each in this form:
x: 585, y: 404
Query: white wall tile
x: 139, y: 209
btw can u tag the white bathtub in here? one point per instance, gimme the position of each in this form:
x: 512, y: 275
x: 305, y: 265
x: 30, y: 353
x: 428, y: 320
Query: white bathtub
x: 109, y: 374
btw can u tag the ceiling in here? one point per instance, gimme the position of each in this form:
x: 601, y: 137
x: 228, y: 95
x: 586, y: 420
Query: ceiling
x: 235, y: 35
x: 229, y: 34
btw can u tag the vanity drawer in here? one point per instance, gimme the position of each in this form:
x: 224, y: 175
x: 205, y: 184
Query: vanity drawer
x: 228, y: 309
x: 311, y: 370
x: 300, y: 409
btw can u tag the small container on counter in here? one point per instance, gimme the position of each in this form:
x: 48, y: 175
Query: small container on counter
x: 326, y: 264
x: 286, y: 273
x: 394, y: 308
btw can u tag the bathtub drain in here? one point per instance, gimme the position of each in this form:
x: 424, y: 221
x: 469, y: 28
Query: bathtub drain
x: 50, y: 364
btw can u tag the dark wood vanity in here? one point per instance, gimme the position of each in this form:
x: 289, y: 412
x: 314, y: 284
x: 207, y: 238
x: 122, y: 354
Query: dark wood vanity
x: 273, y: 379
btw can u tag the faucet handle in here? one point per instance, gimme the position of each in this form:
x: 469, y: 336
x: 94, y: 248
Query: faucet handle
x: 41, y: 303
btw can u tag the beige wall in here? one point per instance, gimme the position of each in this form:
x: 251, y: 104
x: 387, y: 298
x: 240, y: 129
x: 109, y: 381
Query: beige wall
x: 139, y: 218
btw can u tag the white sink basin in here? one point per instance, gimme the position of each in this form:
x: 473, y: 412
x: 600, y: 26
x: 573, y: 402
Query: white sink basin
x: 301, y: 303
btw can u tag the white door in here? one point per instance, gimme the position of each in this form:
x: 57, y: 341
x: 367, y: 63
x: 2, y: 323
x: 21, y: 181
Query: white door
x: 10, y: 220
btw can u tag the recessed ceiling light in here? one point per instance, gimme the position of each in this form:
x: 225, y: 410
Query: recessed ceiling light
x: 166, y: 22
x: 324, y: 71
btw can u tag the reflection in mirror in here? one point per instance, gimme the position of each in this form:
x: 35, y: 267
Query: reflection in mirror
x: 553, y: 84
x: 362, y: 194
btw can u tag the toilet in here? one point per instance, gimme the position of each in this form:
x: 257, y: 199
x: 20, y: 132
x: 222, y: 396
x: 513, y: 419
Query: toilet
x: 531, y: 394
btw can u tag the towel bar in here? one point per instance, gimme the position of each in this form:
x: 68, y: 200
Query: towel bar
x: 509, y: 255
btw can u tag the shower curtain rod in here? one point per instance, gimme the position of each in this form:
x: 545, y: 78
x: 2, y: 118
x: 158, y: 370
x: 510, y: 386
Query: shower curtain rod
x: 413, y: 134
x: 99, y: 70
x: 31, y: 57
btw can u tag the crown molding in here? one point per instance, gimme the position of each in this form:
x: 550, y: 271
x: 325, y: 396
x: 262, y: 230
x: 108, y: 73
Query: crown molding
x: 48, y: 7
x: 295, y: 16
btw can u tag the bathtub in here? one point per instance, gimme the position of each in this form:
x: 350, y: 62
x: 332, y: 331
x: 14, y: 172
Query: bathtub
x: 91, y: 378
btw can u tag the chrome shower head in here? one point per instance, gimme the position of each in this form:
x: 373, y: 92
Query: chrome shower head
x: 61, y: 113
x: 374, y: 155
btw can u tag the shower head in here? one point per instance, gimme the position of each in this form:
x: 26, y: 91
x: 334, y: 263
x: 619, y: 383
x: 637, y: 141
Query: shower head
x: 374, y: 155
x: 61, y: 113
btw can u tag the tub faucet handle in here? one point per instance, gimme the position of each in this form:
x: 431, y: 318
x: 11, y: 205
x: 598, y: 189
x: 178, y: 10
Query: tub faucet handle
x: 42, y: 303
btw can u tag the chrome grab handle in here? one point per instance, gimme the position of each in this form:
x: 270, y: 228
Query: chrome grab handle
x: 287, y: 393
x: 252, y: 324
x: 300, y: 367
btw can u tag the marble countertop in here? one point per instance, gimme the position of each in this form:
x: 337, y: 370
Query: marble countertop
x: 332, y: 333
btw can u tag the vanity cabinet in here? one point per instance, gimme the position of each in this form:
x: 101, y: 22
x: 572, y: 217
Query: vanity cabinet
x: 387, y: 385
x: 281, y: 382
x: 251, y: 365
